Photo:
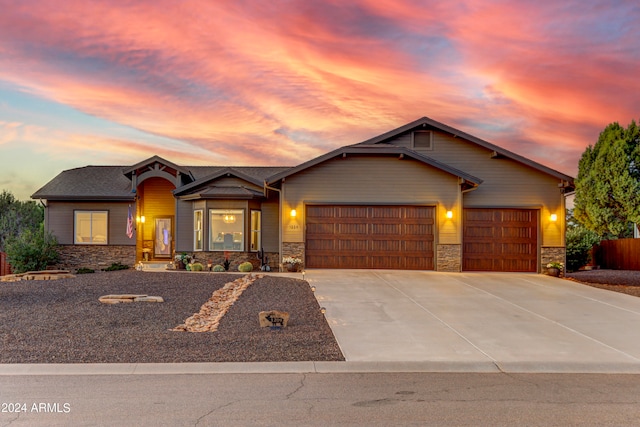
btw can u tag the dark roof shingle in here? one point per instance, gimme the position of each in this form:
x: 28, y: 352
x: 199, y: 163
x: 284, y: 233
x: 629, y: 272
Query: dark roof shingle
x: 111, y: 183
x: 90, y: 183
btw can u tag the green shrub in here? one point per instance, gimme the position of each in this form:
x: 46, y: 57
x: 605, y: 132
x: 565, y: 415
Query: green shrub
x: 116, y: 266
x: 196, y: 266
x: 245, y: 267
x: 32, y: 250
x: 83, y: 270
x: 579, y: 244
x: 218, y: 268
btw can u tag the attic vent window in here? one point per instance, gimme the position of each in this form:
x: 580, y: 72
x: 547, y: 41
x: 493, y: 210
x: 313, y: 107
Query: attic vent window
x: 423, y: 139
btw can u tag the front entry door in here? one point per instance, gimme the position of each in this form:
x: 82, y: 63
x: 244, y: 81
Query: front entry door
x: 163, y: 238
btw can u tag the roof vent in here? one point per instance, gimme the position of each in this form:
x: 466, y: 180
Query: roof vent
x: 422, y: 140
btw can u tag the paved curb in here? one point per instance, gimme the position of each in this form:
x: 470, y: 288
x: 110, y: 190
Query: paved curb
x: 312, y: 367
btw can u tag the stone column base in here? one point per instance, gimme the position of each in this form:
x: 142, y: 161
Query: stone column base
x: 551, y: 254
x: 293, y: 249
x: 449, y: 258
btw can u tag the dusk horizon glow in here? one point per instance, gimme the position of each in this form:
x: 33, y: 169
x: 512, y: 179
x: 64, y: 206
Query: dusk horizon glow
x: 241, y: 83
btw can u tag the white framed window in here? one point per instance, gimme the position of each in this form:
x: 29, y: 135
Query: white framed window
x: 422, y: 140
x: 256, y: 231
x: 226, y: 230
x: 198, y: 239
x: 90, y: 227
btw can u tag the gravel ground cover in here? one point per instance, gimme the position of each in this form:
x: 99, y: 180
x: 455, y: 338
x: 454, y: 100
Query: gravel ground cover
x: 61, y: 321
x: 623, y: 281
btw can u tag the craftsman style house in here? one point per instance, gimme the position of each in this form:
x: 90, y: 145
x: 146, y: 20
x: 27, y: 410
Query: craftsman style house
x: 424, y: 196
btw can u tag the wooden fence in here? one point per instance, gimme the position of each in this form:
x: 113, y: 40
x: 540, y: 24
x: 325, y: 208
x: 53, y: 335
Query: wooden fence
x: 5, y: 268
x: 621, y: 254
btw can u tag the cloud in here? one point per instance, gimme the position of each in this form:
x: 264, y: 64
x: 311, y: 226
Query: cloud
x: 280, y: 82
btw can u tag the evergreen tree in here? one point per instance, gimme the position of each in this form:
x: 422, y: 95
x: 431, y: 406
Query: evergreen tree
x: 16, y: 217
x: 608, y: 183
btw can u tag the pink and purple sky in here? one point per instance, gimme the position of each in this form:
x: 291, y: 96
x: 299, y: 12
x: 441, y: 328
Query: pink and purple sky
x: 279, y: 82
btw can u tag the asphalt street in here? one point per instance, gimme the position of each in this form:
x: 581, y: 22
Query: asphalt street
x: 438, y: 399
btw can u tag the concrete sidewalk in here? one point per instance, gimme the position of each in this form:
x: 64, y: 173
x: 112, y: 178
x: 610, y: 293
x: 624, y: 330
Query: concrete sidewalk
x: 418, y: 321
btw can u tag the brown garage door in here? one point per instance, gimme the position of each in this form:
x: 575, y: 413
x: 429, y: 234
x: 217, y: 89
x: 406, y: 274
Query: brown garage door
x: 396, y: 237
x: 500, y: 240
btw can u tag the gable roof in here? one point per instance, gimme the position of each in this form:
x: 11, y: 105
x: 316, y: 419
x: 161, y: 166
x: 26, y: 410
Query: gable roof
x: 151, y: 161
x: 254, y: 176
x: 498, y: 151
x: 377, y: 149
x: 205, y: 188
x: 88, y: 183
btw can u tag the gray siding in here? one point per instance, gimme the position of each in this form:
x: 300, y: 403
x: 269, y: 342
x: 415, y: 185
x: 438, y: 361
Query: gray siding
x: 506, y: 183
x: 184, y: 226
x: 373, y: 180
x: 270, y: 226
x: 60, y: 220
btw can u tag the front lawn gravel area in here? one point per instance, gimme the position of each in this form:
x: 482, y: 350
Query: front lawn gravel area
x: 61, y: 321
x: 623, y: 281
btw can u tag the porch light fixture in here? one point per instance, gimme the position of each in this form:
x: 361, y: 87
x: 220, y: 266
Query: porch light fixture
x: 140, y: 219
x: 293, y: 213
x: 553, y: 217
x: 449, y: 214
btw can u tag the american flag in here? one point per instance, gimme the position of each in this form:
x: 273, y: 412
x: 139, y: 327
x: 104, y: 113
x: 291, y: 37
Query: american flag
x: 130, y: 224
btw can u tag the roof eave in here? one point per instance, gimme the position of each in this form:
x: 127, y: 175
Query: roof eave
x: 83, y: 198
x: 198, y: 196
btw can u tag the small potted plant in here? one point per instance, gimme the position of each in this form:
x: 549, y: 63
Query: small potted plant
x: 554, y: 268
x: 292, y: 263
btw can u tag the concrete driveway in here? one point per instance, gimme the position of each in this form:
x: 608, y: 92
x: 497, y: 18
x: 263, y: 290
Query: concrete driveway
x: 478, y: 321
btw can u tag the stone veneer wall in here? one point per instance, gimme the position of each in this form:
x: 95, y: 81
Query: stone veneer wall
x: 96, y: 257
x: 293, y: 249
x: 550, y: 254
x: 236, y: 258
x: 448, y: 258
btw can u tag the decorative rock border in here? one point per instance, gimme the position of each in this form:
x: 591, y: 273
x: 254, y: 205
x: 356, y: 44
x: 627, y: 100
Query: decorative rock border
x: 212, y: 311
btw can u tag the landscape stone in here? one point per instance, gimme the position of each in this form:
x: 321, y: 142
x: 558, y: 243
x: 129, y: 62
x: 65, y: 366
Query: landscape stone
x: 273, y: 318
x: 127, y: 298
x: 38, y: 275
x: 148, y: 299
